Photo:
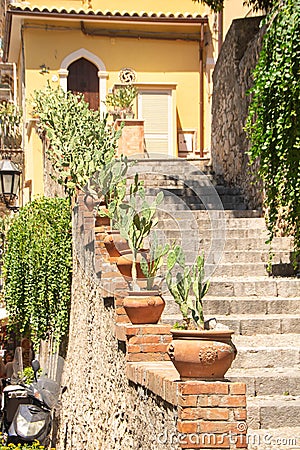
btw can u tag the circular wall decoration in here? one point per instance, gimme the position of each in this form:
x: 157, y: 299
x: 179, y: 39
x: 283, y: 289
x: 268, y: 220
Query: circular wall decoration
x: 127, y: 76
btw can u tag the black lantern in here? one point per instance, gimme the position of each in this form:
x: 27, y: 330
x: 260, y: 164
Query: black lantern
x: 9, y: 182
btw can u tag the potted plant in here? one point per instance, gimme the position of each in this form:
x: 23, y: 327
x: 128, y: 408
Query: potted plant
x: 121, y: 102
x: 10, y: 119
x: 107, y: 186
x: 137, y: 220
x: 196, y: 352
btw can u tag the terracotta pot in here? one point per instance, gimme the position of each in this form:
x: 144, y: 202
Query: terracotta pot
x: 124, y: 264
x: 102, y: 221
x: 202, y: 355
x: 144, y: 306
x: 115, y: 244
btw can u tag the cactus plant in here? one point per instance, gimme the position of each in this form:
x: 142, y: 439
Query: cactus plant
x: 187, y: 287
x: 136, y: 219
x: 155, y: 261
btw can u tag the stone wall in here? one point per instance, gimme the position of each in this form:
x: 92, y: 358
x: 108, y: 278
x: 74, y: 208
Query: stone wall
x: 232, y: 79
x: 121, y: 391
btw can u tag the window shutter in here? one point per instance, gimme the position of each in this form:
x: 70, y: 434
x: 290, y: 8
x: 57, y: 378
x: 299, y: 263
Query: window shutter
x: 155, y: 112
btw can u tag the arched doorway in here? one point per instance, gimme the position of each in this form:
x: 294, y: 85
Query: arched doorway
x: 83, y: 78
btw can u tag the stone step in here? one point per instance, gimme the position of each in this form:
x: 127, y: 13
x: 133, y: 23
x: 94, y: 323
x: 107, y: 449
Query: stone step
x: 237, y: 218
x: 203, y: 194
x: 248, y: 325
x: 233, y: 243
x: 268, y: 381
x: 235, y: 269
x: 267, y: 412
x: 254, y: 287
x: 187, y: 220
x: 267, y: 351
x: 170, y: 226
x: 157, y: 161
x: 283, y: 438
x: 252, y: 256
x: 237, y: 305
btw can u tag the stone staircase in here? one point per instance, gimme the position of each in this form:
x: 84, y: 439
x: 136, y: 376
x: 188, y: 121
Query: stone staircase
x: 263, y: 310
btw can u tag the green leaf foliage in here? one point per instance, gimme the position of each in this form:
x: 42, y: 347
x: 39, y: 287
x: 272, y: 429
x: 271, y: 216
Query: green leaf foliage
x: 37, y: 265
x: 273, y: 122
x: 256, y: 5
x: 80, y: 142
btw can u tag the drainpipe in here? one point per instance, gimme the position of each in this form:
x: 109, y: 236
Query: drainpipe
x: 201, y: 91
x: 220, y: 30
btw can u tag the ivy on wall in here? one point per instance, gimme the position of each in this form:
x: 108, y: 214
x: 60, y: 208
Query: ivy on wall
x: 273, y: 123
x: 37, y: 267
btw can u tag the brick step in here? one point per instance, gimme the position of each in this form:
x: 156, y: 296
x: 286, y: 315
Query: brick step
x: 283, y: 438
x: 248, y: 325
x: 239, y: 305
x: 254, y: 287
x: 267, y: 351
x: 268, y: 381
x: 273, y: 411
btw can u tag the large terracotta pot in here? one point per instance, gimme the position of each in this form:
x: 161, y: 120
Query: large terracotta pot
x: 144, y: 306
x: 115, y: 244
x: 125, y: 262
x: 202, y: 355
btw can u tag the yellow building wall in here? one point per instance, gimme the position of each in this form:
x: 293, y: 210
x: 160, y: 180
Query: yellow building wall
x: 154, y: 61
x: 176, y: 62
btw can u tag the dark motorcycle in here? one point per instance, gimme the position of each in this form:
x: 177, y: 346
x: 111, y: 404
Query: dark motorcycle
x: 27, y: 410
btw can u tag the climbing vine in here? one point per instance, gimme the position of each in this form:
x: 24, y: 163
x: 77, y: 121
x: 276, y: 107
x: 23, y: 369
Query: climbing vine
x: 37, y: 267
x: 273, y: 122
x: 80, y: 141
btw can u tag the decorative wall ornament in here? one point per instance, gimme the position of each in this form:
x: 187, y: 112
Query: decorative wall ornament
x: 127, y: 75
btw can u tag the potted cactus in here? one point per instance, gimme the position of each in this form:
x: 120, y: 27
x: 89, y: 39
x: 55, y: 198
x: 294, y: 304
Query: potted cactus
x: 120, y: 102
x: 137, y: 220
x: 196, y: 352
x: 107, y: 186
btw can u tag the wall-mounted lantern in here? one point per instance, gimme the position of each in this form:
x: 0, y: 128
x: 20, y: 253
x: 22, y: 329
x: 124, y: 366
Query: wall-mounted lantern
x: 9, y: 183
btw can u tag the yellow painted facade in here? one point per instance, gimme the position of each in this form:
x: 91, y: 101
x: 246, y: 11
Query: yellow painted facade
x: 161, y: 50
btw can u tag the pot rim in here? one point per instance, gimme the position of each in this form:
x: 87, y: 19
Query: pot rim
x: 146, y: 293
x: 196, y: 334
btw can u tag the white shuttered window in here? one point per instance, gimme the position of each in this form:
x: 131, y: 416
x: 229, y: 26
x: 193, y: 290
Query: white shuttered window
x: 155, y: 108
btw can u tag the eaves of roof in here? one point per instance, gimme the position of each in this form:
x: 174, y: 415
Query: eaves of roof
x: 178, y: 17
x: 17, y: 12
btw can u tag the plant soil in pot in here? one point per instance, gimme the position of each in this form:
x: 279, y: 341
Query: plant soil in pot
x: 115, y: 244
x: 201, y: 354
x: 144, y: 307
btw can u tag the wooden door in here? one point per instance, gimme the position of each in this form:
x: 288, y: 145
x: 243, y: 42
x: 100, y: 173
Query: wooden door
x: 83, y: 78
